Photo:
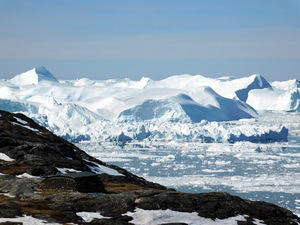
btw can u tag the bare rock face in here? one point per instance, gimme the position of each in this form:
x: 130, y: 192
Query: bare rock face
x: 31, y: 184
x: 36, y: 151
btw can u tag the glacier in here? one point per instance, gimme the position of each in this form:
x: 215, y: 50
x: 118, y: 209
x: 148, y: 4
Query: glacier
x: 181, y: 107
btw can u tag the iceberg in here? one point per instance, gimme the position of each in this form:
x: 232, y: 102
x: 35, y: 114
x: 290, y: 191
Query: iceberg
x: 286, y: 85
x: 17, y: 106
x: 253, y: 82
x: 283, y: 96
x: 225, y: 86
x: 158, y: 110
x: 288, y: 101
x: 33, y: 76
x: 181, y: 107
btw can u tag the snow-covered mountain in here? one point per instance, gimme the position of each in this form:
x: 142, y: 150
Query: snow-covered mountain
x: 87, y: 109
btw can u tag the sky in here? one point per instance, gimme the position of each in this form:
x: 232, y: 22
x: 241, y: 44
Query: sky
x: 102, y: 39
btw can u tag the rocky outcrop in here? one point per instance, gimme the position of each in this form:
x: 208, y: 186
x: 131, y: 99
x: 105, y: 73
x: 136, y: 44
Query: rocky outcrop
x: 30, y: 153
x: 38, y: 152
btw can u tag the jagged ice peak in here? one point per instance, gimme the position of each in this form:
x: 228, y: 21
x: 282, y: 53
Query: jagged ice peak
x: 33, y: 76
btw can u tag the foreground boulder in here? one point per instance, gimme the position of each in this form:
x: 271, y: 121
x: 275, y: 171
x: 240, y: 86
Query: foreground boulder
x: 45, y: 179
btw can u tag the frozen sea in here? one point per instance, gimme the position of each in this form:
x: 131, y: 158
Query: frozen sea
x: 257, y: 171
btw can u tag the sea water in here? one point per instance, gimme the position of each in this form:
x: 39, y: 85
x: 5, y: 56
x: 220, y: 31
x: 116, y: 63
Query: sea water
x: 257, y: 171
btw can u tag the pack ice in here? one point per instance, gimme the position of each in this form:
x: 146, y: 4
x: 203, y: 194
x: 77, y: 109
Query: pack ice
x: 180, y: 108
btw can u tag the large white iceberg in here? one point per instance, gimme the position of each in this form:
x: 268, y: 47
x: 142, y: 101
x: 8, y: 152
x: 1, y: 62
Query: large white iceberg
x: 283, y: 96
x: 226, y: 86
x: 182, y: 107
x: 33, y: 76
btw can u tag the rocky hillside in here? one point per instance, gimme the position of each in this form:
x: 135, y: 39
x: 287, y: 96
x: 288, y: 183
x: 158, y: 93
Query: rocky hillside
x: 47, y: 180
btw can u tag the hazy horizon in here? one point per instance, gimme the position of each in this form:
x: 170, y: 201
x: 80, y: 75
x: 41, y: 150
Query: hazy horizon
x: 157, y: 39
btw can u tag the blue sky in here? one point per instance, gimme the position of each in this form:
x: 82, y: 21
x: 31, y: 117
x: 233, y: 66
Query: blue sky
x: 116, y: 39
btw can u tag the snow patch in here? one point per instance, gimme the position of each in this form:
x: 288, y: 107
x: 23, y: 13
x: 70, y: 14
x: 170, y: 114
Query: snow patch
x: 20, y: 120
x: 8, y: 195
x: 67, y: 170
x: 27, y: 127
x: 25, y: 175
x: 99, y: 169
x: 26, y: 220
x: 5, y: 157
x: 89, y: 216
x: 153, y: 217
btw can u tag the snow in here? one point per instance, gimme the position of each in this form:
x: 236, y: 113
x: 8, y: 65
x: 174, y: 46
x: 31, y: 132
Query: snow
x: 258, y: 222
x: 153, y: 217
x: 5, y: 157
x: 27, y: 127
x: 67, y: 170
x: 8, y: 195
x: 115, y: 110
x: 99, y: 169
x: 25, y: 175
x: 20, y: 120
x: 26, y: 220
x: 89, y: 216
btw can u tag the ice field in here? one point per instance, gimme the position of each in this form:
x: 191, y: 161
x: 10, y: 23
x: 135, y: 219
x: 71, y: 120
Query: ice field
x: 259, y: 171
x: 189, y: 132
